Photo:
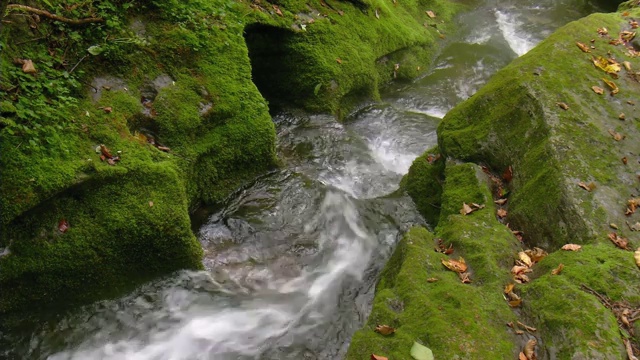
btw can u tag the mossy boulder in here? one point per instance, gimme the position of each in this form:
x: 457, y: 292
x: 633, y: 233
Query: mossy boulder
x: 540, y: 117
x: 455, y: 320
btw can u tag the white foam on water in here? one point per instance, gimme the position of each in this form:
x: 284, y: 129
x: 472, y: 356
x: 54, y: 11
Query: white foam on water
x: 519, y: 41
x: 184, y: 327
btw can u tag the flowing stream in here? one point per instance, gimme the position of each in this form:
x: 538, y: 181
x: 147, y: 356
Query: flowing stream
x: 292, y: 259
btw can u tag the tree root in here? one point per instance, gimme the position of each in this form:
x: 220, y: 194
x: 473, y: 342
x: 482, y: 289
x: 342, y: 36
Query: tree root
x: 49, y: 15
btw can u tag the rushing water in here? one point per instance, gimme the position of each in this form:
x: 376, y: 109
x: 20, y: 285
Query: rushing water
x: 292, y: 258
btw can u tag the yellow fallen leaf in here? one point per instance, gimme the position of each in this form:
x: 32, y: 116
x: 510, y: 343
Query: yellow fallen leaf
x: 466, y: 209
x: 515, y: 303
x: 521, y: 279
x: 28, y: 67
x: 627, y: 65
x: 525, y: 258
x: 583, y: 47
x: 518, y: 269
x: 571, y: 247
x: 598, y: 90
x: 563, y: 106
x: 636, y: 255
x: 431, y: 14
x: 530, y: 349
x: 610, y: 67
x: 536, y: 254
x: 612, y: 86
x: 509, y: 288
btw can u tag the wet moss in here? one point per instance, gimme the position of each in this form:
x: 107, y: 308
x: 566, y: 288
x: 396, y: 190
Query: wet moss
x: 423, y: 183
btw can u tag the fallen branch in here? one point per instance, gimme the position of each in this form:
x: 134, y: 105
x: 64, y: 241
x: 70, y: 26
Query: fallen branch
x: 54, y: 16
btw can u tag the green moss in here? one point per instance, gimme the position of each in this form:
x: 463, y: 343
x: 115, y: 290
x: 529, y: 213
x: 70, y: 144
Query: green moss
x: 423, y: 183
x: 124, y: 227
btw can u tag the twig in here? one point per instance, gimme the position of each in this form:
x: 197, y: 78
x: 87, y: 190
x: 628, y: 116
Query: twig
x: 54, y: 16
x: 30, y: 40
x: 78, y: 63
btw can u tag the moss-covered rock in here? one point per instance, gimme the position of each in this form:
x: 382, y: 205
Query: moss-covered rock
x: 178, y: 74
x: 423, y: 183
x: 455, y: 320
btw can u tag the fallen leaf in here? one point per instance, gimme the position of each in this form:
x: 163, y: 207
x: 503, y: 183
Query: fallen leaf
x: 612, y: 86
x: 378, y: 357
x: 563, y: 106
x: 598, y: 90
x: 28, y: 67
x: 605, y: 65
x: 619, y: 241
x: 527, y: 327
x: 636, y: 256
x: 521, y: 278
x: 502, y: 213
x: 519, y: 269
x: 163, y: 148
x: 616, y: 136
x: 627, y: 65
x: 458, y: 266
x: 613, y: 226
x: 537, y: 254
x: 501, y: 201
x: 432, y: 280
x: 530, y: 349
x: 508, y: 174
x: 634, y: 24
x: 603, y: 31
x: 583, y: 47
x: 634, y: 227
x: 627, y: 35
x: 571, y: 247
x: 377, y: 14
x: 421, y: 352
x: 525, y: 258
x: 150, y: 203
x: 385, y: 329
x: 513, y: 296
x: 107, y: 109
x: 557, y: 270
x: 466, y: 209
x: 105, y: 151
x: 431, y: 14
x: 522, y: 356
x: 465, y: 277
x: 63, y: 226
x: 515, y: 303
x: 589, y: 187
x: 632, y: 205
x: 339, y: 61
x: 277, y: 10
x: 509, y: 288
x: 622, y: 116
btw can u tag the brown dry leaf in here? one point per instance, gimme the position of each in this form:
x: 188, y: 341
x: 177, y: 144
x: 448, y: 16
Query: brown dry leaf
x: 603, y: 31
x: 105, y: 151
x: 627, y: 35
x: 522, y: 356
x: 501, y: 201
x: 385, y: 329
x: 583, y: 47
x: 590, y: 187
x: 277, y: 10
x: 537, y: 254
x: 28, y: 67
x: 634, y: 24
x: 571, y: 247
x: 563, y: 106
x: 612, y: 86
x: 627, y: 65
x: 339, y: 61
x: 598, y: 90
x: 378, y: 357
x: 509, y: 288
x: 634, y: 227
x: 557, y: 270
x: 513, y: 296
x: 464, y: 277
x: 530, y: 349
x: 515, y: 303
x: 502, y: 213
x: 431, y: 14
x: 613, y: 226
x: 150, y: 203
x: 619, y: 241
x: 520, y: 269
x: 432, y: 280
x: 632, y: 204
x: 615, y: 42
x: 108, y: 109
x: 466, y: 209
x: 521, y: 278
x: 525, y: 258
x: 622, y: 116
x: 508, y: 174
x: 636, y: 256
x: 530, y: 329
x: 616, y: 136
x: 458, y: 266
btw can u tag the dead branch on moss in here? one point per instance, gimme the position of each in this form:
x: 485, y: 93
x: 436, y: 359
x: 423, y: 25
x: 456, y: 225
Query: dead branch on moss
x: 49, y: 15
